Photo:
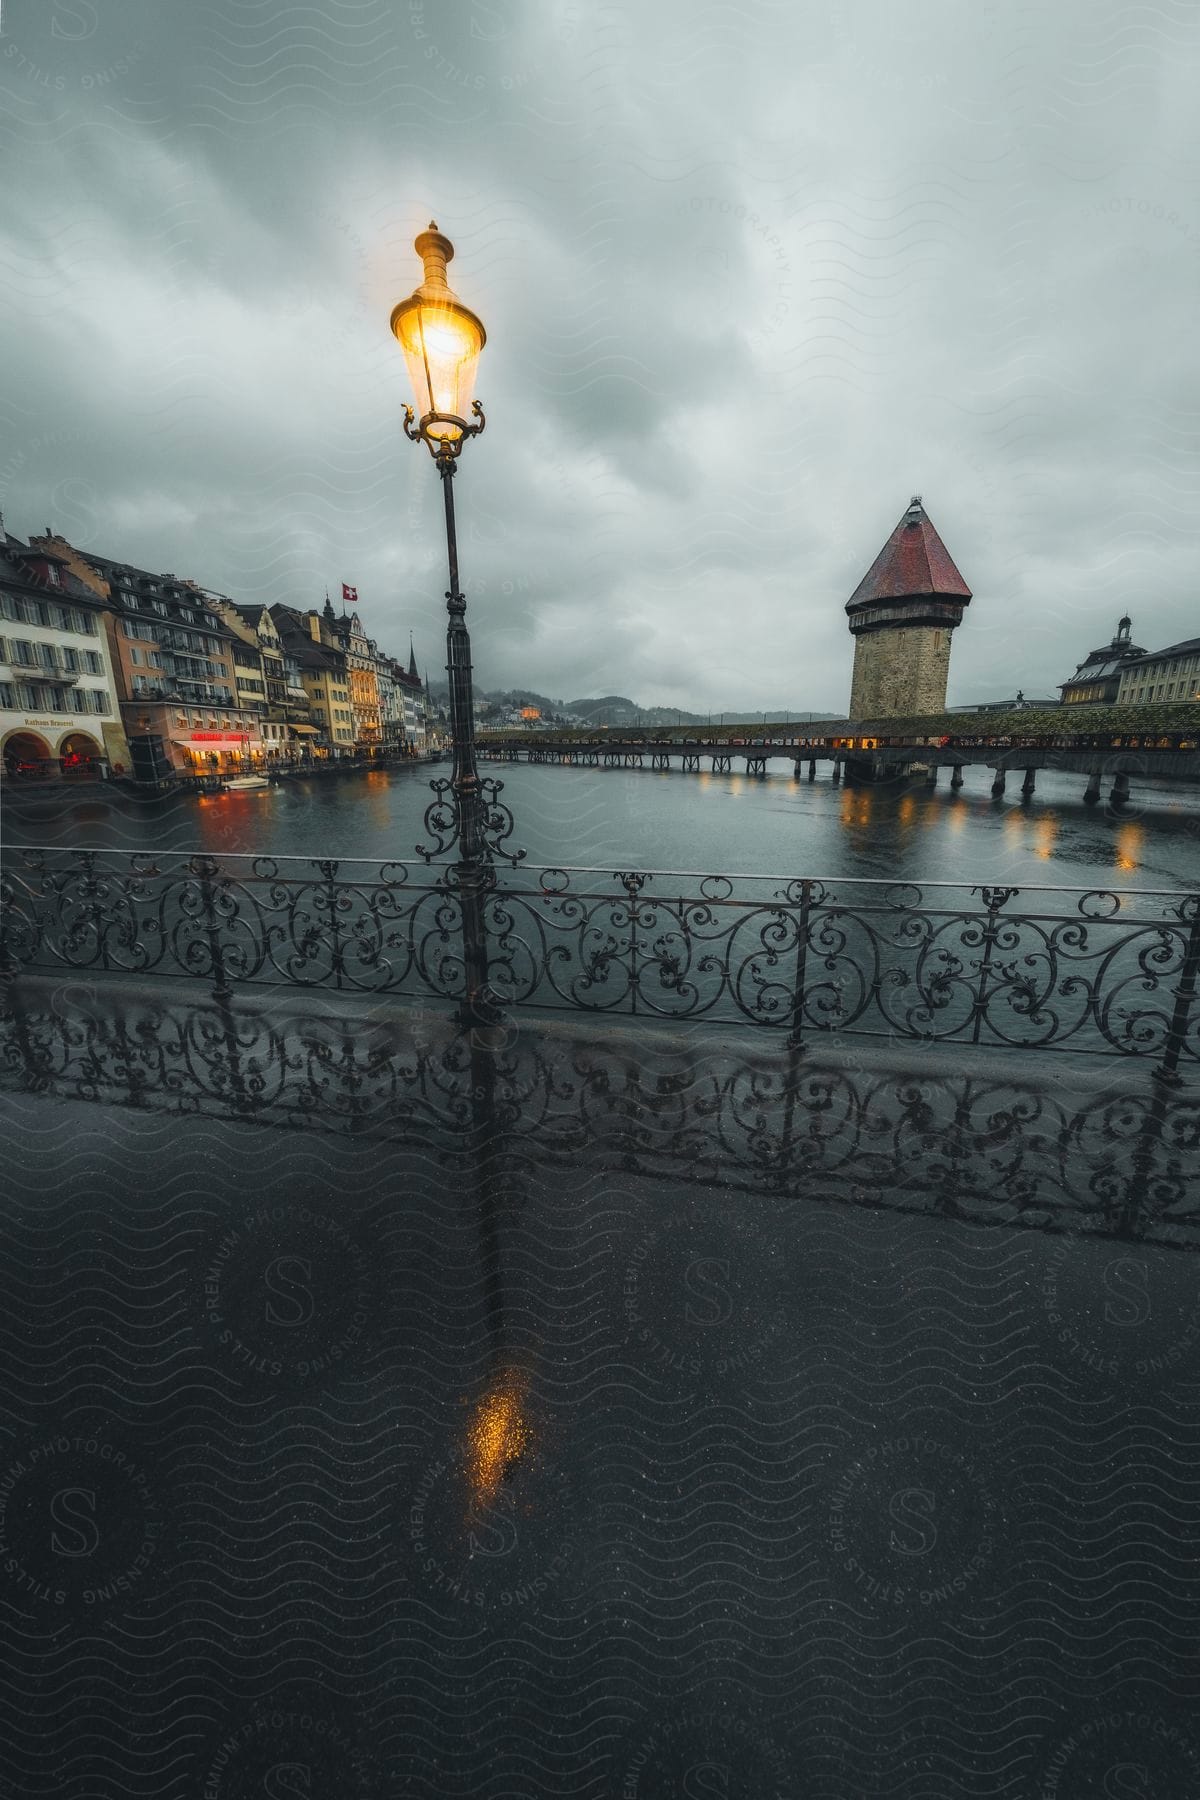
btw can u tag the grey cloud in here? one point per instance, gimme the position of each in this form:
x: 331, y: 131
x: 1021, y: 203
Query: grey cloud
x: 751, y: 278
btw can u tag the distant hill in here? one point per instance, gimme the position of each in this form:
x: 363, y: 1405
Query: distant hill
x: 619, y: 709
x: 590, y: 709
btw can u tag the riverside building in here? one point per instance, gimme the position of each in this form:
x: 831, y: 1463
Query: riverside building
x: 1157, y: 675
x: 174, y: 661
x: 59, y: 705
x: 1097, y: 679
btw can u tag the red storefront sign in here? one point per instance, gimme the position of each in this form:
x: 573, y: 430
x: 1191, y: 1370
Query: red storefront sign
x: 218, y: 737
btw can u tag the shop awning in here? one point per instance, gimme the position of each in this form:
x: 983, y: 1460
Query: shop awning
x: 236, y: 747
x: 305, y: 730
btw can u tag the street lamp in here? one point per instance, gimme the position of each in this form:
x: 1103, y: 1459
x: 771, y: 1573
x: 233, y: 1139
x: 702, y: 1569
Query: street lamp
x: 441, y: 340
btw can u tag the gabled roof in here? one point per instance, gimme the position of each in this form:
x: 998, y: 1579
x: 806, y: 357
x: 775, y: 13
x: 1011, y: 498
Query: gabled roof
x: 914, y: 561
x: 15, y: 558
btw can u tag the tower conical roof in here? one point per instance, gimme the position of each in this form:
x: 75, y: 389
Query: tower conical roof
x: 914, y: 561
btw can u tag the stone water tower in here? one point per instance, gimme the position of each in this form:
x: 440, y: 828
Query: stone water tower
x: 901, y: 616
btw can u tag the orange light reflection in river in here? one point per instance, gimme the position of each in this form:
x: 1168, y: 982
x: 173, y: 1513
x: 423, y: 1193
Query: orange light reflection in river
x: 1045, y: 831
x: 1128, y: 846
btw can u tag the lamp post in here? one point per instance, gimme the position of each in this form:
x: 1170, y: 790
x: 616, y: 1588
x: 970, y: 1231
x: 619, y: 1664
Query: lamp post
x: 441, y: 340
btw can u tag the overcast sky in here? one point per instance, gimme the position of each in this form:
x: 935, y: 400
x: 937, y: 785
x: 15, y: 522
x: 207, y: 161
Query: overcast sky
x: 752, y: 275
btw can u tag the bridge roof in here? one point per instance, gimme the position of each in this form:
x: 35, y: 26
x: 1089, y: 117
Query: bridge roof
x: 913, y: 561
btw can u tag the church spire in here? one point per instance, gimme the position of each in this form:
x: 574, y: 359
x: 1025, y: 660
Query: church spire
x: 330, y: 615
x: 412, y: 659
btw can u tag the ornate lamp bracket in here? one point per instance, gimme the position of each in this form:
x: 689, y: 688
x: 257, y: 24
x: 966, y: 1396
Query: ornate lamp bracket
x: 445, y: 451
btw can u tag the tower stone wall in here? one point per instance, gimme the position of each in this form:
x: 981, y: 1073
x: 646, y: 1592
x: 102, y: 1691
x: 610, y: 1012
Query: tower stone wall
x: 900, y: 671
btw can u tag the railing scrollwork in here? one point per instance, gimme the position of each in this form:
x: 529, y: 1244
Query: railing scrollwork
x: 1002, y: 967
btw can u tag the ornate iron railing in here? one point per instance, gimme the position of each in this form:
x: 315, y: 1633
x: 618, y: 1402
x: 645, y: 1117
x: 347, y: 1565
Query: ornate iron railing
x: 1028, y: 968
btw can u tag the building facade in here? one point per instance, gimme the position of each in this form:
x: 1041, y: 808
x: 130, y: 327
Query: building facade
x: 312, y: 649
x: 359, y: 653
x: 59, y: 697
x: 176, y: 670
x: 902, y: 615
x: 286, y: 728
x: 1097, y: 679
x: 1158, y: 675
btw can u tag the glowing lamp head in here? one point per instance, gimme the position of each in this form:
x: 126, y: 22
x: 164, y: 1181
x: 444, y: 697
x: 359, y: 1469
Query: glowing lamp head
x: 441, y: 340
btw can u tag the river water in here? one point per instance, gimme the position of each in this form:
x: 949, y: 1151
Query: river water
x: 727, y: 824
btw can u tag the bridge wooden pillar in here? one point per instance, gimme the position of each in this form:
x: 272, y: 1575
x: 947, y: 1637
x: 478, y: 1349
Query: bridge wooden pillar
x: 1120, y: 790
x: 837, y: 770
x: 1030, y: 781
x: 998, y: 783
x: 812, y: 768
x: 931, y: 775
x: 956, y: 780
x: 1091, y: 793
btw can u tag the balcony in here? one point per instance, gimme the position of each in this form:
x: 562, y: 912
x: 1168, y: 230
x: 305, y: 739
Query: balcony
x: 39, y: 676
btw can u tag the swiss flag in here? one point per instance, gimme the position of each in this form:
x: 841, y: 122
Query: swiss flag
x: 350, y: 595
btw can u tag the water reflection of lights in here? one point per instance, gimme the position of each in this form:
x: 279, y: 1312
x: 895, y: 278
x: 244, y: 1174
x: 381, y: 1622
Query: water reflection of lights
x: 377, y: 786
x: 855, y: 806
x: 498, y: 1434
x: 906, y: 810
x: 1045, y: 831
x: 1128, y: 846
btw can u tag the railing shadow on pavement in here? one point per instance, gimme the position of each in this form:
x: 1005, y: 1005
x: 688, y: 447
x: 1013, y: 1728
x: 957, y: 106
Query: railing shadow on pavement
x: 895, y: 1128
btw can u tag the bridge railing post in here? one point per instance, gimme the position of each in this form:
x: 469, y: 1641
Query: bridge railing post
x: 1185, y: 998
x: 796, y: 1034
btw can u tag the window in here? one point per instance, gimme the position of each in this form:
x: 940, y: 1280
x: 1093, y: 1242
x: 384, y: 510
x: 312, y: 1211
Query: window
x: 23, y: 653
x: 70, y: 659
x: 79, y: 700
x: 84, y: 622
x: 100, y: 701
x: 160, y: 607
x: 26, y: 696
x: 52, y: 575
x: 135, y: 656
x: 8, y: 696
x: 58, y: 699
